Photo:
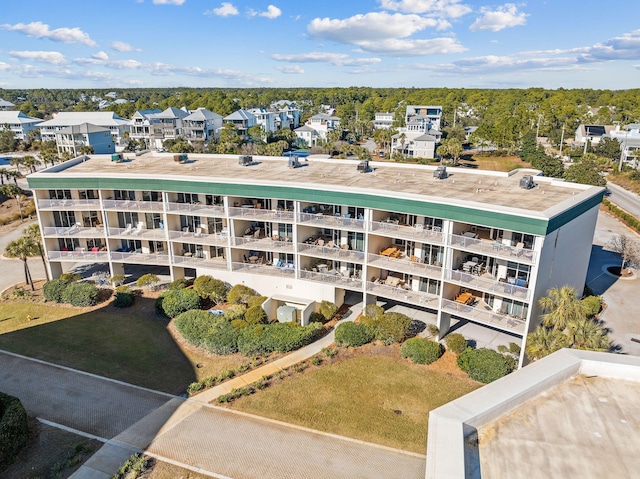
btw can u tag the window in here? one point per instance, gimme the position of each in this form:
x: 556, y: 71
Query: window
x: 90, y: 218
x: 431, y: 286
x: 514, y: 308
x: 188, y: 198
x: 430, y: 223
x: 525, y: 239
x: 356, y: 241
x: 432, y: 254
x: 189, y: 222
x: 151, y: 196
x: 60, y: 194
x: 127, y: 218
x: 285, y: 231
x: 88, y: 194
x: 156, y: 246
x: 68, y: 244
x: 124, y: 195
x: 518, y: 271
x: 153, y: 220
x: 64, y: 218
x: 214, y: 200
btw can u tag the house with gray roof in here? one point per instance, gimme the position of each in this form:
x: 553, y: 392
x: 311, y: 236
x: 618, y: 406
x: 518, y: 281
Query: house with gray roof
x: 201, y: 125
x: 242, y: 119
x: 106, y: 119
x: 73, y: 138
x: 4, y: 104
x: 19, y: 123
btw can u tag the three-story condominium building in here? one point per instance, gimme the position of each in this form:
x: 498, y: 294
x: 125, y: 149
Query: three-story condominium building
x: 475, y: 247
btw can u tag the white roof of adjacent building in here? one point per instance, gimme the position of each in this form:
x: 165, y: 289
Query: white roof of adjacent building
x: 68, y: 118
x: 202, y: 114
x: 14, y: 116
x: 425, y: 137
x: 240, y: 115
x: 5, y: 104
x: 323, y: 116
x: 83, y: 129
x: 305, y: 128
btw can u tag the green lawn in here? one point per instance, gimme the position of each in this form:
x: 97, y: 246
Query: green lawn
x: 360, y: 397
x: 132, y: 345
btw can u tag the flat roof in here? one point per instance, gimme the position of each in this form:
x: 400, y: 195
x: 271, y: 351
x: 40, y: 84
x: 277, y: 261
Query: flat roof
x: 483, y: 190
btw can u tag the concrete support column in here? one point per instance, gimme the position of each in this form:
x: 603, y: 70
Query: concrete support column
x: 55, y: 269
x: 444, y: 324
x: 176, y: 272
x: 116, y: 268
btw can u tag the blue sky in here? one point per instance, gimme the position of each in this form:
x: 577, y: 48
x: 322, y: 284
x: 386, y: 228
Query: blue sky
x: 325, y: 43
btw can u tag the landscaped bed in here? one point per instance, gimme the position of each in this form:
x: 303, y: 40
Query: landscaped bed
x: 367, y: 393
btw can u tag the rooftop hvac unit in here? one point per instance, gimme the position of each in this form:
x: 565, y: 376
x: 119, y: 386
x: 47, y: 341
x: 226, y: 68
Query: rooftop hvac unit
x: 526, y: 182
x: 180, y: 158
x: 293, y: 162
x: 117, y: 157
x: 440, y: 173
x: 245, y: 160
x: 363, y: 166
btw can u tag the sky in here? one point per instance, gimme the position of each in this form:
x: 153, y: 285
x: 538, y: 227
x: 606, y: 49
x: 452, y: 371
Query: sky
x: 322, y: 43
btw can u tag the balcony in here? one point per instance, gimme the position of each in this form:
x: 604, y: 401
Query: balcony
x: 262, y: 244
x: 156, y: 234
x: 339, y: 280
x: 418, y: 298
x: 331, y: 253
x: 78, y: 205
x: 267, y: 270
x: 328, y: 221
x: 79, y: 256
x: 481, y: 313
x: 417, y: 233
x: 405, y: 265
x: 161, y: 259
x: 74, y: 231
x: 196, y: 208
x: 260, y: 214
x: 488, y: 285
x: 195, y: 262
x: 133, y: 205
x: 492, y: 248
x: 199, y: 238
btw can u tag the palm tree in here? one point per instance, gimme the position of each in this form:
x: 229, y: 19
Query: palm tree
x: 33, y: 232
x: 3, y: 174
x: 17, y: 162
x: 588, y: 334
x: 544, y: 341
x: 562, y: 308
x: 22, y: 248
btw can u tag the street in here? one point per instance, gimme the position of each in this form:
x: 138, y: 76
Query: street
x: 624, y: 199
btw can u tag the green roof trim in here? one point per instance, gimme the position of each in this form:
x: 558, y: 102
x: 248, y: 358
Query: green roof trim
x: 513, y: 222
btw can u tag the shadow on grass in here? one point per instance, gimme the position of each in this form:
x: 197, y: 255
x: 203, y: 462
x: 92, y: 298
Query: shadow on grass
x: 131, y: 345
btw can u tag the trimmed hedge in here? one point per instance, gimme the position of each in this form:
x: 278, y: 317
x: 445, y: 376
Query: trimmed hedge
x: 123, y: 297
x: 328, y: 310
x: 14, y: 429
x: 240, y: 294
x: 421, y: 350
x: 52, y: 290
x: 278, y: 337
x: 256, y: 315
x: 629, y: 219
x: 456, y: 343
x: 213, y: 333
x: 353, y: 334
x: 484, y: 365
x: 80, y: 294
x: 208, y: 287
x: 175, y: 301
x: 256, y: 301
x: 389, y: 327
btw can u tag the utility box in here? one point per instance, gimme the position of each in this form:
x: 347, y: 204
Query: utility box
x: 526, y: 182
x: 440, y: 173
x: 181, y: 158
x: 293, y: 162
x: 117, y: 157
x: 245, y: 160
x: 363, y: 166
x: 287, y: 314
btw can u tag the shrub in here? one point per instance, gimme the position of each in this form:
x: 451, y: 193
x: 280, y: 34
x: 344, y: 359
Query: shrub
x: 240, y: 294
x: 70, y: 277
x: 389, y: 327
x: 484, y: 365
x: 316, y: 317
x: 353, y: 334
x: 456, y: 343
x: 14, y: 428
x: 421, y: 350
x: 117, y: 279
x: 592, y: 305
x: 52, y: 290
x: 176, y: 301
x: 256, y: 301
x: 124, y: 297
x: 278, y: 337
x: 433, y: 330
x: 373, y: 311
x: 256, y: 315
x: 328, y: 310
x: 213, y: 333
x: 179, y: 283
x: 80, y: 294
x: 211, y: 288
x: 148, y: 280
x: 237, y: 311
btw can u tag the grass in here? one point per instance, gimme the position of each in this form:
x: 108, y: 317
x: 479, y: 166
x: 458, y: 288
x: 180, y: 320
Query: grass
x: 131, y: 345
x: 494, y: 163
x: 624, y: 180
x: 377, y: 399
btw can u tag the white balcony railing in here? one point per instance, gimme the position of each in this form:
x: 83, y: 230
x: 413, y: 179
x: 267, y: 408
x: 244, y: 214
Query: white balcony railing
x: 136, y: 232
x: 261, y: 214
x: 492, y: 248
x: 196, y: 208
x: 79, y: 256
x: 190, y: 261
x: 335, y: 279
x: 328, y: 221
x: 133, y: 205
x: 488, y: 285
x: 398, y: 293
x: 73, y: 231
x: 417, y: 233
x: 140, y: 258
x: 215, y: 239
x: 262, y: 244
x: 69, y: 204
x: 479, y: 314
x: 405, y: 265
x: 268, y: 270
x: 333, y: 253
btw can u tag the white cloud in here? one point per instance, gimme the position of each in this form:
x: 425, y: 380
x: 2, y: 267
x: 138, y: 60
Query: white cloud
x: 625, y: 47
x: 402, y: 47
x: 226, y: 9
x: 4, y: 66
x: 41, y: 30
x: 55, y: 58
x: 272, y: 12
x: 439, y: 8
x: 123, y: 47
x: 338, y: 59
x: 290, y: 69
x: 370, y: 27
x: 495, y: 20
x: 100, y: 56
x: 168, y: 2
